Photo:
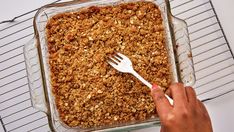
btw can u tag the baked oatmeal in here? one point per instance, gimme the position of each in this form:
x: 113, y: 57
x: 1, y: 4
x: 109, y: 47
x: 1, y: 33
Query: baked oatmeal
x: 88, y: 91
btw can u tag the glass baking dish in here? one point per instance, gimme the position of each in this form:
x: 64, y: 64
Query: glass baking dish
x: 36, y: 56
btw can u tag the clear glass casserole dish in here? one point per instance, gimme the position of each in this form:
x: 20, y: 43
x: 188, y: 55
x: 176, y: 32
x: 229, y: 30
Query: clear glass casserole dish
x: 38, y: 69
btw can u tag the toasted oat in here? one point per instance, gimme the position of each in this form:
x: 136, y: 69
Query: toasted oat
x: 89, y: 92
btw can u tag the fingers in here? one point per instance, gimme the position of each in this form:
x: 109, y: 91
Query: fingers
x: 203, y: 108
x: 162, y: 104
x: 168, y: 92
x: 179, y: 95
x: 204, y: 114
x: 191, y: 95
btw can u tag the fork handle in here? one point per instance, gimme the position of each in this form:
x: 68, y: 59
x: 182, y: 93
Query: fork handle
x: 141, y: 79
x: 148, y: 84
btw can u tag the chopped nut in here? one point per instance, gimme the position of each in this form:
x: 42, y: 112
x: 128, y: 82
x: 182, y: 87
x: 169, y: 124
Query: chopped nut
x: 116, y: 118
x: 99, y: 91
x: 134, y: 110
x: 89, y: 96
x: 90, y: 38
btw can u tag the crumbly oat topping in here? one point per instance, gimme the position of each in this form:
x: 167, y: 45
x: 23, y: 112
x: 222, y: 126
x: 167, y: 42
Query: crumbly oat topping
x: 88, y: 91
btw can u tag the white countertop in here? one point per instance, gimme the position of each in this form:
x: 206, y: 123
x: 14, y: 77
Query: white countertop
x: 220, y: 109
x: 225, y: 13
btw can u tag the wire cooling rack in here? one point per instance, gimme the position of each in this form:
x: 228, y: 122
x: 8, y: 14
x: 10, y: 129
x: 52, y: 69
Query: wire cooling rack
x: 213, y: 58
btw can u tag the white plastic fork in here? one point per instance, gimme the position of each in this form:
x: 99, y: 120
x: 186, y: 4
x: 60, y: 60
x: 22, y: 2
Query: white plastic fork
x: 123, y: 64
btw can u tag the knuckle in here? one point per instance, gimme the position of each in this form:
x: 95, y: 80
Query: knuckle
x: 193, y: 111
x: 177, y: 85
x: 159, y: 97
x: 205, y: 116
x: 184, y: 113
x: 190, y: 89
x: 170, y: 119
x: 180, y: 85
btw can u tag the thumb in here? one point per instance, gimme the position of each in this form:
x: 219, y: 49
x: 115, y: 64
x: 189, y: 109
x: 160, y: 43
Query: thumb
x: 162, y: 104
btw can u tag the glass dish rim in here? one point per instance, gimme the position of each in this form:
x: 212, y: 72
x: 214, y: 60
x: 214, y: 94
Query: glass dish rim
x: 168, y: 13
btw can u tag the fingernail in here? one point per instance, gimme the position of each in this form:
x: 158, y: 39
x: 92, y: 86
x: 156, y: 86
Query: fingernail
x: 154, y: 87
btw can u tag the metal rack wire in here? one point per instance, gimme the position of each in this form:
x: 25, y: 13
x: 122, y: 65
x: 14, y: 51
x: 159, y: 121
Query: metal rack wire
x: 214, y: 63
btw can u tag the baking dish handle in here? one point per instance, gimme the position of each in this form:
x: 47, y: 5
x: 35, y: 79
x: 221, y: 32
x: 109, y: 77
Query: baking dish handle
x: 34, y: 75
x: 183, y: 52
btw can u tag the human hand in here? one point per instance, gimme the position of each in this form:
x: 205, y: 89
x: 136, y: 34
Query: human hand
x: 187, y: 114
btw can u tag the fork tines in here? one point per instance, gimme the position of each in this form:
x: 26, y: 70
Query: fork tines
x: 116, y: 58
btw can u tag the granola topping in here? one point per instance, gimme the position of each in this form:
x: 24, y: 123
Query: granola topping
x: 88, y: 91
